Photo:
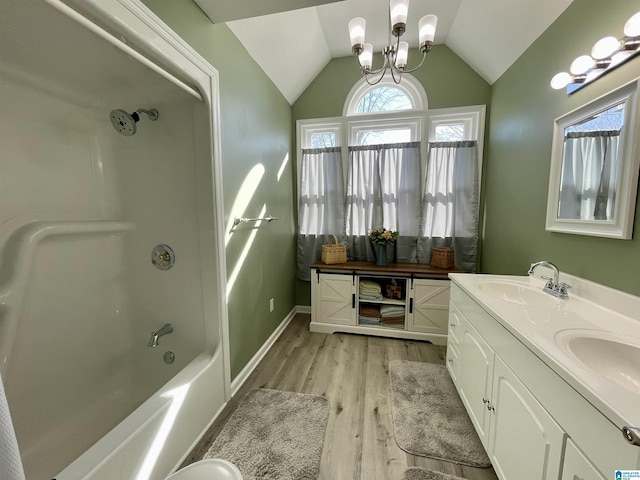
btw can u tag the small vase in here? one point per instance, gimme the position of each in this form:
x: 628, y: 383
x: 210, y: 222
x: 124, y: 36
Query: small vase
x: 381, y: 255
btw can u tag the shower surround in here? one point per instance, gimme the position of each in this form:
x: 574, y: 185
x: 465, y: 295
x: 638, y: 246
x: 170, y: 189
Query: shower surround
x: 82, y: 207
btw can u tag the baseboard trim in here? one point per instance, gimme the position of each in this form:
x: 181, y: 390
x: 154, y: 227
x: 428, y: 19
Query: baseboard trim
x: 242, y: 377
x: 303, y: 309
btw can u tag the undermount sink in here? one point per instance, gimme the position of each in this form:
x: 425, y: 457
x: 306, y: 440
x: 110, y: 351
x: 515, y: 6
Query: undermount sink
x: 514, y: 292
x: 611, y: 358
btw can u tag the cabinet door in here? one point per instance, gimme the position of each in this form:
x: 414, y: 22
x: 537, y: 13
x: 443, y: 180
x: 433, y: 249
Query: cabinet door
x: 577, y: 467
x: 453, y: 335
x: 333, y: 299
x: 525, y: 442
x: 475, y: 374
x: 429, y: 311
x: 453, y: 363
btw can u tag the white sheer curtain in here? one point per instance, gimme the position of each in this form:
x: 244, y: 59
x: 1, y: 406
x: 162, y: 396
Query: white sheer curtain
x: 321, y: 205
x: 589, y: 175
x: 450, y: 203
x: 383, y: 190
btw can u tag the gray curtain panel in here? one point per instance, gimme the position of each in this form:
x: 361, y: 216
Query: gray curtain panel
x: 450, y: 203
x: 321, y: 205
x: 385, y: 188
x: 589, y: 175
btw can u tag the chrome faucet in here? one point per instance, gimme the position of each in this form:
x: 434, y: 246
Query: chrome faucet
x: 553, y: 286
x: 165, y: 330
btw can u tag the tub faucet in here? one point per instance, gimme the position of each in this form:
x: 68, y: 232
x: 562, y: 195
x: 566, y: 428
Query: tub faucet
x: 165, y: 330
x: 553, y: 286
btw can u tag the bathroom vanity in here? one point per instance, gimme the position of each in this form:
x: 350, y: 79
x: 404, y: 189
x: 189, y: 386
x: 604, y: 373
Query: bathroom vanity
x: 417, y: 293
x: 551, y: 385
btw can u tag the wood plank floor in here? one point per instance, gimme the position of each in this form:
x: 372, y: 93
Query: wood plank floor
x: 352, y: 371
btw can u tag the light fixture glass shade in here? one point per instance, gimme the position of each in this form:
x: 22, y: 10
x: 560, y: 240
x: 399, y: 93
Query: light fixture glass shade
x: 399, y: 10
x: 357, y: 27
x: 427, y: 28
x: 593, y: 74
x: 620, y: 57
x: 632, y: 27
x: 561, y: 80
x: 402, y: 55
x: 581, y: 65
x: 366, y: 57
x: 605, y: 47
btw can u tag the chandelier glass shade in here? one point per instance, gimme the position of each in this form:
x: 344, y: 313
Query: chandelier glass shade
x: 396, y: 53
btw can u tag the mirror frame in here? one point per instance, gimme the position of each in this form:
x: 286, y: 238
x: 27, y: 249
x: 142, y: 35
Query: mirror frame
x: 624, y: 210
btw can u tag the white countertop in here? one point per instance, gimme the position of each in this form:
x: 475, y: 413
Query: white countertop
x: 567, y: 335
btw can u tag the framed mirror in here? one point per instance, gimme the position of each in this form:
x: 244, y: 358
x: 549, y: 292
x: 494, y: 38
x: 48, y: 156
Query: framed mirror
x: 594, y: 167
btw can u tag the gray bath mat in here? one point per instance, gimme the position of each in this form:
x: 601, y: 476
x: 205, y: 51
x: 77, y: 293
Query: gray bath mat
x: 415, y: 473
x: 429, y: 418
x: 275, y: 435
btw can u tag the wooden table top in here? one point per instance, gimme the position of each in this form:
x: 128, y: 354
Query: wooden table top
x: 390, y: 268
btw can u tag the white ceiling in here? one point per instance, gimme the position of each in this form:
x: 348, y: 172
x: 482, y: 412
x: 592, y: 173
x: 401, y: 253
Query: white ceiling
x: 294, y: 45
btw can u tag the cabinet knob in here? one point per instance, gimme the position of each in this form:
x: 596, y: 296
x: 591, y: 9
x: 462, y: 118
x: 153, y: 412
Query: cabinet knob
x: 452, y: 325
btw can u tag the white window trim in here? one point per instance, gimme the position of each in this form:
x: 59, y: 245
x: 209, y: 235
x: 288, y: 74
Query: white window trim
x: 473, y: 116
x: 411, y: 87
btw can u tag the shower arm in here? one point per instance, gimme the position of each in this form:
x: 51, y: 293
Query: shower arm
x: 153, y: 113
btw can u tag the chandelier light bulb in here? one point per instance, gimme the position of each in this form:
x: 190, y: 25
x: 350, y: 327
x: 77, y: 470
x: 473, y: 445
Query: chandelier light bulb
x: 605, y: 47
x: 398, y: 9
x: 357, y: 27
x: 561, y: 80
x: 427, y: 28
x: 581, y: 65
x: 402, y: 55
x: 632, y: 27
x: 366, y: 57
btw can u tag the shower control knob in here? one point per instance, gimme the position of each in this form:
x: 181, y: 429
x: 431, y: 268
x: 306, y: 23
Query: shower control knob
x: 163, y: 257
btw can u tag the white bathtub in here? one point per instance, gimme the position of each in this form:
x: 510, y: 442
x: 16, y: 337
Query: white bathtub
x: 82, y: 208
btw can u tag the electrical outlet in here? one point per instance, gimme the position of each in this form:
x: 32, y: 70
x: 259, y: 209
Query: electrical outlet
x: 271, y: 305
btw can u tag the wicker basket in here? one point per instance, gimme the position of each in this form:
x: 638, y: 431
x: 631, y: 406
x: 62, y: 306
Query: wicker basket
x: 334, y: 252
x: 442, y: 257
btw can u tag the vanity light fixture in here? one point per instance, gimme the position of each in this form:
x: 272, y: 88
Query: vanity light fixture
x: 395, y: 56
x: 606, y: 54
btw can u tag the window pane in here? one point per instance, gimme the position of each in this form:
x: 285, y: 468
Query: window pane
x: 611, y: 119
x: 450, y: 133
x: 384, y: 99
x: 323, y: 139
x: 377, y: 137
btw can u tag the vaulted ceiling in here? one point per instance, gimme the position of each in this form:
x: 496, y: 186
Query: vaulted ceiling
x: 293, y: 40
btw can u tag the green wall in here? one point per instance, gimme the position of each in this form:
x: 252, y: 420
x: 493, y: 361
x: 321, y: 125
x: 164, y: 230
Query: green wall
x: 255, y: 141
x: 523, y: 109
x: 447, y: 80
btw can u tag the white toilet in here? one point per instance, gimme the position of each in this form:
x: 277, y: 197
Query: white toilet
x: 212, y: 469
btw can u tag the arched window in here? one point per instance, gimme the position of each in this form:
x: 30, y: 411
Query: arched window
x: 385, y: 96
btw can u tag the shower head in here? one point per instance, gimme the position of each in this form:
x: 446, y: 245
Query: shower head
x: 125, y: 123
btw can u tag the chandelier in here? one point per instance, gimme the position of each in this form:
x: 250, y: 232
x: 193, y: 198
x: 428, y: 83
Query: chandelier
x: 396, y: 52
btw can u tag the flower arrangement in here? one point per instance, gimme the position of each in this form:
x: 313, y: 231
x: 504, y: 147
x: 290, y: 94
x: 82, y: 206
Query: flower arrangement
x: 382, y: 236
